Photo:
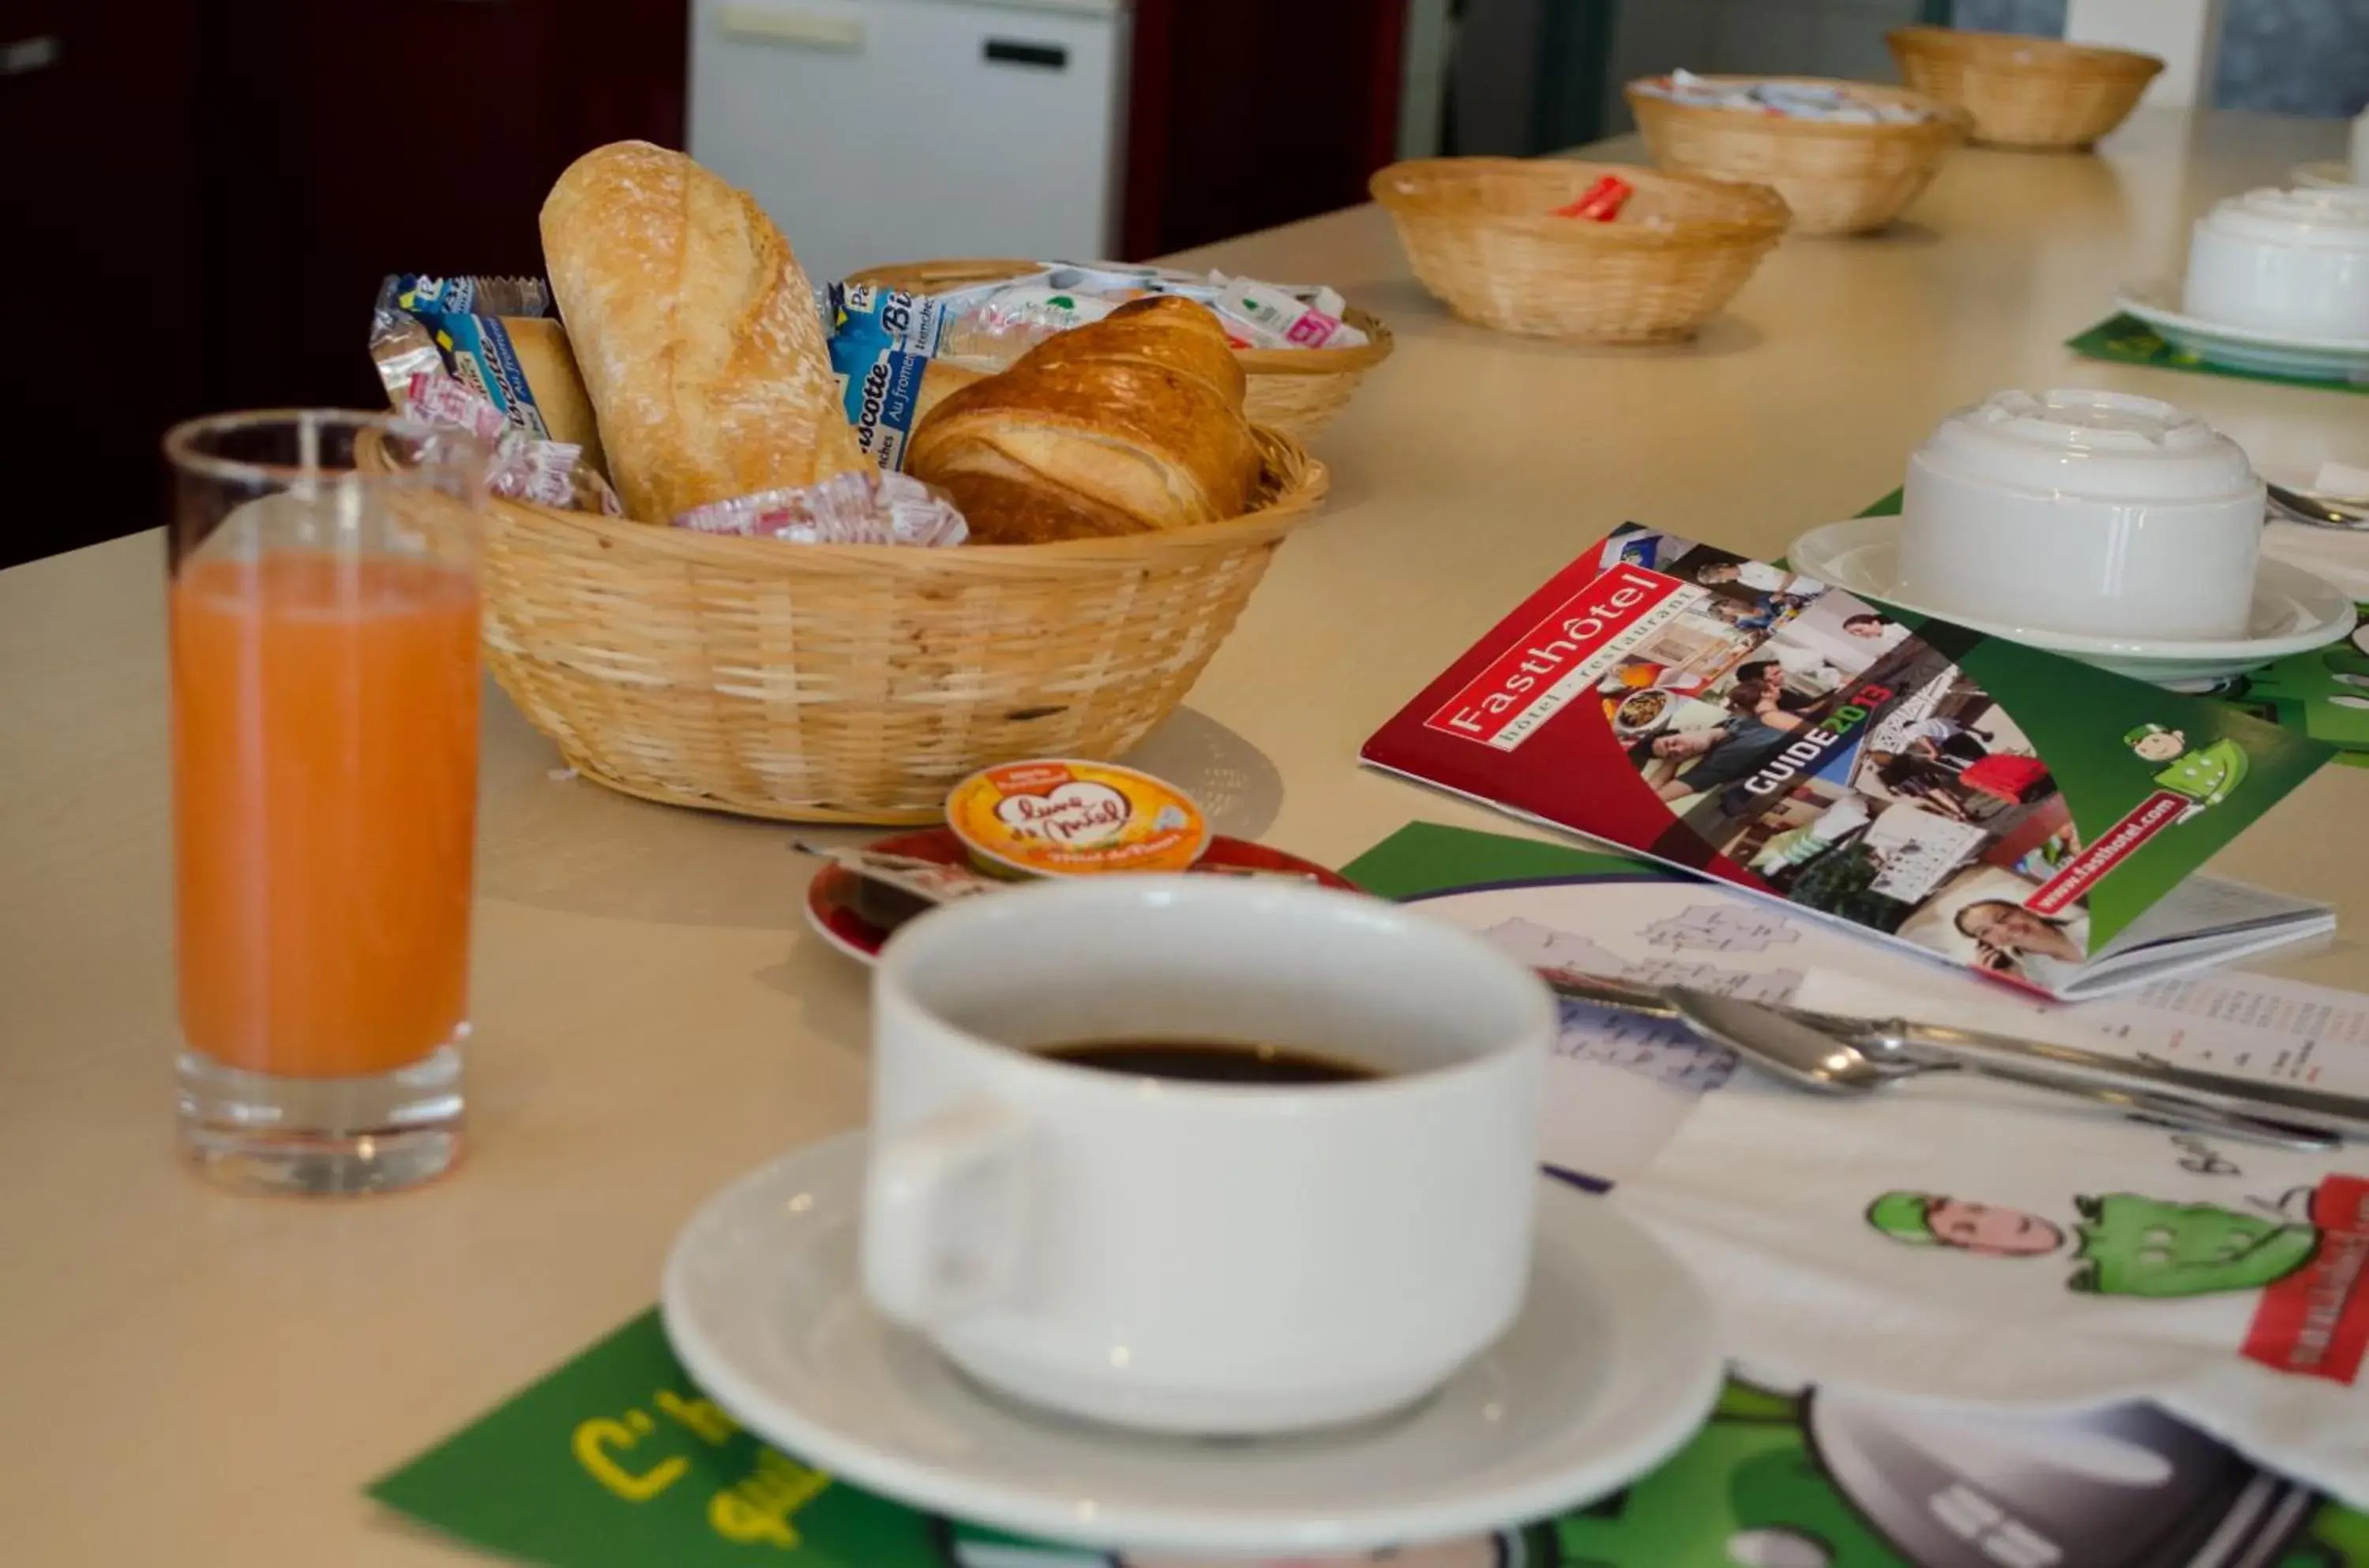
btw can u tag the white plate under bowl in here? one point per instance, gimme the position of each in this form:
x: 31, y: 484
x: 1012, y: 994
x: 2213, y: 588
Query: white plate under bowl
x: 2242, y: 347
x: 2329, y: 173
x: 2295, y: 611
x: 1612, y: 1365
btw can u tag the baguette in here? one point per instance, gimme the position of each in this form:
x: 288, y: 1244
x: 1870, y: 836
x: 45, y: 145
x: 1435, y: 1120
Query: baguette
x: 695, y: 332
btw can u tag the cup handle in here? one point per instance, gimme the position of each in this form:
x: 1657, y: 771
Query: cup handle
x: 945, y: 1221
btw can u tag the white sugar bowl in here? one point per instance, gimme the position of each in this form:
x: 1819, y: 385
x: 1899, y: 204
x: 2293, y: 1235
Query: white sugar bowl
x: 2289, y: 262
x: 2092, y: 512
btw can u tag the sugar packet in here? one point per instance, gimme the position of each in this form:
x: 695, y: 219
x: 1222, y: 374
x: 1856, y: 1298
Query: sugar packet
x: 1280, y: 318
x: 549, y: 473
x: 1791, y: 100
x: 863, y: 506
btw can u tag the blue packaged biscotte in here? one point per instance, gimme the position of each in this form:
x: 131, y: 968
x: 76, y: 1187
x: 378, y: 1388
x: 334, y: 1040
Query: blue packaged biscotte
x: 445, y: 353
x: 459, y: 319
x: 417, y: 291
x: 881, y: 343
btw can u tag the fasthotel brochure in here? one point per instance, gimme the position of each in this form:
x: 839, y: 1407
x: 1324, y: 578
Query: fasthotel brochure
x: 2007, y: 809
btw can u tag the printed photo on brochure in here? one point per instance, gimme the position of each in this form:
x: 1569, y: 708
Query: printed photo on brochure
x: 2001, y: 807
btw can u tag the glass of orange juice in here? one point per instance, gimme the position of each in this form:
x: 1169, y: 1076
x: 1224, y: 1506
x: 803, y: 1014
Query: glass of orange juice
x: 324, y: 645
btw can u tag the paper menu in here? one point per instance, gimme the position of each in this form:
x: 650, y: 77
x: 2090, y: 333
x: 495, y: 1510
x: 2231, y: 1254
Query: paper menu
x: 1622, y: 1086
x: 2252, y: 1027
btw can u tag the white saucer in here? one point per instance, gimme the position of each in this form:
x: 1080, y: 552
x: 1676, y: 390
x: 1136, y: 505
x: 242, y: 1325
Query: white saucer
x: 2242, y: 347
x: 2295, y: 611
x: 1612, y: 1365
x: 2331, y: 173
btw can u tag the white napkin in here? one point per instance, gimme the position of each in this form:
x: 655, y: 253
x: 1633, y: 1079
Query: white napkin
x: 1961, y: 1240
x: 2341, y: 556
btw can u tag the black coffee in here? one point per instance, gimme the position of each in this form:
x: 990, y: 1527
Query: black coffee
x: 1210, y: 1061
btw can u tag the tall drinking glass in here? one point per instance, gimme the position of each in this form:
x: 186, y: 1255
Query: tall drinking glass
x: 323, y: 635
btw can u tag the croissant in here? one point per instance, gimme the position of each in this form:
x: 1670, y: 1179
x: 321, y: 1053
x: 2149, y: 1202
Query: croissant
x: 1128, y: 425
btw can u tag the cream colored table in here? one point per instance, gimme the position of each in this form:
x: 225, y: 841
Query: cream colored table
x: 198, y: 1380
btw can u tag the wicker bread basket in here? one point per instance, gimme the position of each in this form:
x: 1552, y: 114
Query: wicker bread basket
x: 2037, y: 94
x: 1296, y: 390
x: 1482, y: 234
x: 1838, y: 178
x: 857, y: 683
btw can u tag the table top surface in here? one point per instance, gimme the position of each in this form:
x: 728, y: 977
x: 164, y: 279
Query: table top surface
x: 204, y: 1379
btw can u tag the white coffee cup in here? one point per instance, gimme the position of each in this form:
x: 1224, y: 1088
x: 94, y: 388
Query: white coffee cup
x: 2093, y: 512
x: 1193, y: 1257
x: 2289, y: 262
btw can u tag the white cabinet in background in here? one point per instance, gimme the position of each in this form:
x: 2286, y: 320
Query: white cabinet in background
x: 879, y: 130
x: 2184, y: 34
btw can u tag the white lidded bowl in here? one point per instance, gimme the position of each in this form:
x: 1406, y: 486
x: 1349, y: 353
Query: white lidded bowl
x: 2294, y: 262
x: 2092, y: 512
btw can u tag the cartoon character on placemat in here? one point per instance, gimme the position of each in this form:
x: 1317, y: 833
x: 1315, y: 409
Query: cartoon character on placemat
x: 2123, y: 1245
x: 1842, y: 1479
x: 2306, y: 1253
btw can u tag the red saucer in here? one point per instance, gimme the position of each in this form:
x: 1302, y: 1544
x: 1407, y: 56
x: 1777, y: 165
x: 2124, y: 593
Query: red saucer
x: 830, y: 894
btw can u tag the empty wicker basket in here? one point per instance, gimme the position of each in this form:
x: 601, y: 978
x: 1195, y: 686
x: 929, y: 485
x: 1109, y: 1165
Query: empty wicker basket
x: 1296, y: 390
x: 1482, y: 234
x: 855, y: 683
x: 2038, y: 93
x: 1838, y: 178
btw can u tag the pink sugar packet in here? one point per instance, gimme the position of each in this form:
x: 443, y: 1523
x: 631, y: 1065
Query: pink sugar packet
x: 869, y: 505
x: 551, y: 474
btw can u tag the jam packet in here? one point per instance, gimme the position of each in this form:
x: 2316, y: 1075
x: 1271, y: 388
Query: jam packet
x: 1063, y: 817
x: 865, y: 507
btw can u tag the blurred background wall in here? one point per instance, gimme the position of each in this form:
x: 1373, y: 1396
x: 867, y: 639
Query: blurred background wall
x: 202, y: 195
x: 2280, y: 56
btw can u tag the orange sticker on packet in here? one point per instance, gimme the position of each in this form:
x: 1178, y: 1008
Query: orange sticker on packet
x: 1059, y: 817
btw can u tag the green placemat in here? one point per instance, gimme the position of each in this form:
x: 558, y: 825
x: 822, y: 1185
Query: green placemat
x: 2127, y: 340
x: 614, y: 1460
x: 2309, y: 692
